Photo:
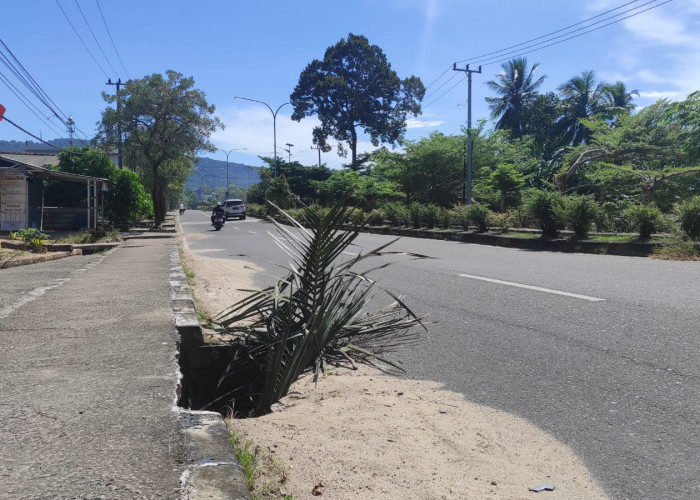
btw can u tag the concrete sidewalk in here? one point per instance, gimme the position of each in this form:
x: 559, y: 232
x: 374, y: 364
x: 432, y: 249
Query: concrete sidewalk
x: 88, y: 377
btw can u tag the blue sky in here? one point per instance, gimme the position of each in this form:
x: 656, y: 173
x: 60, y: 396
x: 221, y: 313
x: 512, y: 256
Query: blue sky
x: 258, y: 49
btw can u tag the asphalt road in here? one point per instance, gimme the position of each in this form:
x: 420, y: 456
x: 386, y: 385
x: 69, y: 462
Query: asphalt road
x: 601, y: 351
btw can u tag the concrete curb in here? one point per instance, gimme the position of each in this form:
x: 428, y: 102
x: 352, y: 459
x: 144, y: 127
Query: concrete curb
x: 36, y: 259
x: 213, y: 471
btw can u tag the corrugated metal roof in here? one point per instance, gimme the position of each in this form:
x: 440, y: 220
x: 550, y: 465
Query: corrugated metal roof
x: 36, y: 165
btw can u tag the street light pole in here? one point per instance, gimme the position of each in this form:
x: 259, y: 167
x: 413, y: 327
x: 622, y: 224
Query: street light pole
x: 289, y: 150
x: 274, y: 123
x: 228, y: 153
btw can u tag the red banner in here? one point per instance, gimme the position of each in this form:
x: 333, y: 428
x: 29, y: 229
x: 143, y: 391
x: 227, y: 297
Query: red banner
x: 2, y: 112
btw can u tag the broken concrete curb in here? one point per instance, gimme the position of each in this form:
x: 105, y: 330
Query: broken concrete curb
x: 213, y: 470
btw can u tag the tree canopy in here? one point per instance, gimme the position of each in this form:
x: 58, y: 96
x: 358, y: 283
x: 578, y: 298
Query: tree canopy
x: 164, y: 121
x: 354, y: 87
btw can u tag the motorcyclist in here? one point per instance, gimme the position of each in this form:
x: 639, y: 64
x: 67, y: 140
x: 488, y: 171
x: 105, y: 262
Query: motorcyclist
x: 218, y: 210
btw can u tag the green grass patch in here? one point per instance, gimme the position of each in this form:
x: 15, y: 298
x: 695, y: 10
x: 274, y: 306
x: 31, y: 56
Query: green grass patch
x: 263, y: 472
x: 91, y: 236
x: 680, y: 250
x: 524, y: 236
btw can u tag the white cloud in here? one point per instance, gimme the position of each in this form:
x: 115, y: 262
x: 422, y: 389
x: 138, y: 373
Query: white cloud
x: 412, y: 123
x: 659, y: 50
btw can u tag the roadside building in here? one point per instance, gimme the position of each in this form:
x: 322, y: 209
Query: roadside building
x: 22, y: 180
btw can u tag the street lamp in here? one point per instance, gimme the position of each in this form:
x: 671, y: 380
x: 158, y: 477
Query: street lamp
x: 274, y: 123
x: 228, y: 153
x: 289, y: 150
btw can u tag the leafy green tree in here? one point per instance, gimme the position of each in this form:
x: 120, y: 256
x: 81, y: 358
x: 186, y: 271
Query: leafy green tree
x: 516, y: 89
x: 354, y: 87
x: 540, y: 123
x: 506, y: 179
x: 165, y: 121
x: 125, y: 201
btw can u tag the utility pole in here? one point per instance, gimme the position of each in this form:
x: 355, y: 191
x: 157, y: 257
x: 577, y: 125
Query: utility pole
x: 70, y: 124
x: 289, y: 150
x: 467, y: 170
x: 118, y: 83
x: 319, y: 154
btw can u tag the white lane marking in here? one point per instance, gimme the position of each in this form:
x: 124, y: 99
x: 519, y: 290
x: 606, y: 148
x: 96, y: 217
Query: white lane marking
x: 350, y: 253
x: 530, y: 287
x: 253, y: 232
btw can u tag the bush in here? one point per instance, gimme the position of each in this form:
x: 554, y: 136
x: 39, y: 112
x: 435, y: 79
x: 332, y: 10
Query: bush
x: 376, y: 217
x: 580, y: 212
x: 445, y: 218
x: 690, y: 217
x: 461, y: 216
x: 502, y: 221
x: 547, y: 209
x: 256, y: 210
x: 415, y: 212
x: 29, y: 234
x: 613, y: 217
x: 431, y: 215
x: 646, y: 219
x: 396, y: 214
x: 479, y: 216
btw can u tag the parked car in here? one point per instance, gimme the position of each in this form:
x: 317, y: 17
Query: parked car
x: 234, y: 208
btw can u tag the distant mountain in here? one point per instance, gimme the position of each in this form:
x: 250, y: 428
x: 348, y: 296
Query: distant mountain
x: 212, y: 174
x: 37, y: 147
x: 206, y: 172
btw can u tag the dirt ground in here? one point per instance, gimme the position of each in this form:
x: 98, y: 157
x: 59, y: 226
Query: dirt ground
x: 366, y: 435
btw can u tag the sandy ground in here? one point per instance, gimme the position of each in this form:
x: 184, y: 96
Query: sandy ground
x: 366, y: 435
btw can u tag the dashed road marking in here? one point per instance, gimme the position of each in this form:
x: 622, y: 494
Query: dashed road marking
x: 531, y: 287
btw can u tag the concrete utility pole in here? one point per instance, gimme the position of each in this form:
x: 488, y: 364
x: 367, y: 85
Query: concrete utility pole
x: 70, y: 125
x: 467, y: 170
x: 118, y: 83
x: 319, y: 154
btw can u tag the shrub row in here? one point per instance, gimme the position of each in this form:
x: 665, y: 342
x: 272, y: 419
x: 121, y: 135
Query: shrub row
x: 544, y: 210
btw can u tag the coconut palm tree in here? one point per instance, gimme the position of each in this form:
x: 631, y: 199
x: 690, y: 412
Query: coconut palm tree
x: 619, y: 98
x: 582, y: 97
x: 516, y: 88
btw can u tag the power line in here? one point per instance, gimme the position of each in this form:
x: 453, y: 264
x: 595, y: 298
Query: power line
x: 23, y: 99
x: 433, y: 92
x: 559, y: 39
x: 563, y: 38
x: 112, y: 39
x: 94, y: 37
x: 26, y: 78
x: 81, y: 40
x: 550, y: 33
x: 17, y: 69
x: 444, y: 93
x: 28, y: 133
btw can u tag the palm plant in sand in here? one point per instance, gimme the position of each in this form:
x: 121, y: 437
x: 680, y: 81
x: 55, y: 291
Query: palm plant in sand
x: 316, y: 313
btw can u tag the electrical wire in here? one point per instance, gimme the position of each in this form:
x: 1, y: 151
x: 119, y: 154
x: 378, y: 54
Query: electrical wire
x: 81, y: 40
x: 26, y: 78
x: 564, y: 37
x: 559, y: 39
x: 17, y: 69
x: 95, y: 38
x: 552, y: 32
x: 24, y: 100
x: 112, y: 40
x: 5, y: 118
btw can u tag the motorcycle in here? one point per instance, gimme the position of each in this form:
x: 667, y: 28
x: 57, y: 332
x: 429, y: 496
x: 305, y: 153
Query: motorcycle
x: 219, y: 222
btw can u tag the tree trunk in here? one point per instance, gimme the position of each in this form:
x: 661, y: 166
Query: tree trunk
x: 353, y: 147
x: 503, y: 201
